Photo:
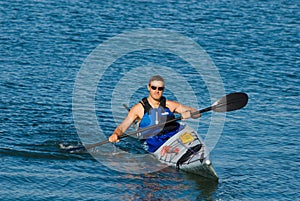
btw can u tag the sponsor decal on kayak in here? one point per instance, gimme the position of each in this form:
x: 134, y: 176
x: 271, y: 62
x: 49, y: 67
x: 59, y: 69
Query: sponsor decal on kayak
x: 169, y: 150
x: 186, y: 138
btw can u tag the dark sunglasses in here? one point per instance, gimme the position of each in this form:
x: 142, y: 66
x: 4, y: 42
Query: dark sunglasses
x: 159, y: 88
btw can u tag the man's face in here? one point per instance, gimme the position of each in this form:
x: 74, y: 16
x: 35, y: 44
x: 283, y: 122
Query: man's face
x: 156, y: 89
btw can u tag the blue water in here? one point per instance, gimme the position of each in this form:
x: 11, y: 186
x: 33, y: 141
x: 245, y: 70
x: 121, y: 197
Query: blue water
x: 254, y: 45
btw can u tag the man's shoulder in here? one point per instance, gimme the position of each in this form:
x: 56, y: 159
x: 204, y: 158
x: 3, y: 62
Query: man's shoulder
x: 137, y: 107
x: 172, y: 105
x: 137, y: 110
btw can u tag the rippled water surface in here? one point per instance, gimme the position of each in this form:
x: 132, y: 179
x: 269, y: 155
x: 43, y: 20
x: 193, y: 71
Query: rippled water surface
x: 253, y: 44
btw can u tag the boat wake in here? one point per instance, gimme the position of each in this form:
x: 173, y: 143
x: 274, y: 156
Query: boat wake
x: 43, y: 151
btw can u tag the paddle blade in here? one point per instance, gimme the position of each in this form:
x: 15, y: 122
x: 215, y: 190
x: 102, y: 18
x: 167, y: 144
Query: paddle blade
x: 75, y: 149
x: 231, y: 102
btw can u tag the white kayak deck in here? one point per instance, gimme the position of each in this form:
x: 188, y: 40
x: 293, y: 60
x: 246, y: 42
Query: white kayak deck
x: 186, y: 151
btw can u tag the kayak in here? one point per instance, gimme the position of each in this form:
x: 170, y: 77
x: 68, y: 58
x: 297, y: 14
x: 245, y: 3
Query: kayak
x: 186, y: 151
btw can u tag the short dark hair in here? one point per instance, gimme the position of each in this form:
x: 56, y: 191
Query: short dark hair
x: 156, y: 78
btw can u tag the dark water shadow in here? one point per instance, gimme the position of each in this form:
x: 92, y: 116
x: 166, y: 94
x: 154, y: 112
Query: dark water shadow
x: 206, y: 186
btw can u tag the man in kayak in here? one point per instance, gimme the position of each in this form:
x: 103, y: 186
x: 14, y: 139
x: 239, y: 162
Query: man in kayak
x: 153, y: 110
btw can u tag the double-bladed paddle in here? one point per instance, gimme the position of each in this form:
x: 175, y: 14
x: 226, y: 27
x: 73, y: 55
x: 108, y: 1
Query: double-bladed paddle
x: 230, y: 102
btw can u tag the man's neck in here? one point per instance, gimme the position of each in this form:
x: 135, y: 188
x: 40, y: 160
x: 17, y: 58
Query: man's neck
x: 153, y: 102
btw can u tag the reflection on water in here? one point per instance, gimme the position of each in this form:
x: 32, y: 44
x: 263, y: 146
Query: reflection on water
x: 167, y: 184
